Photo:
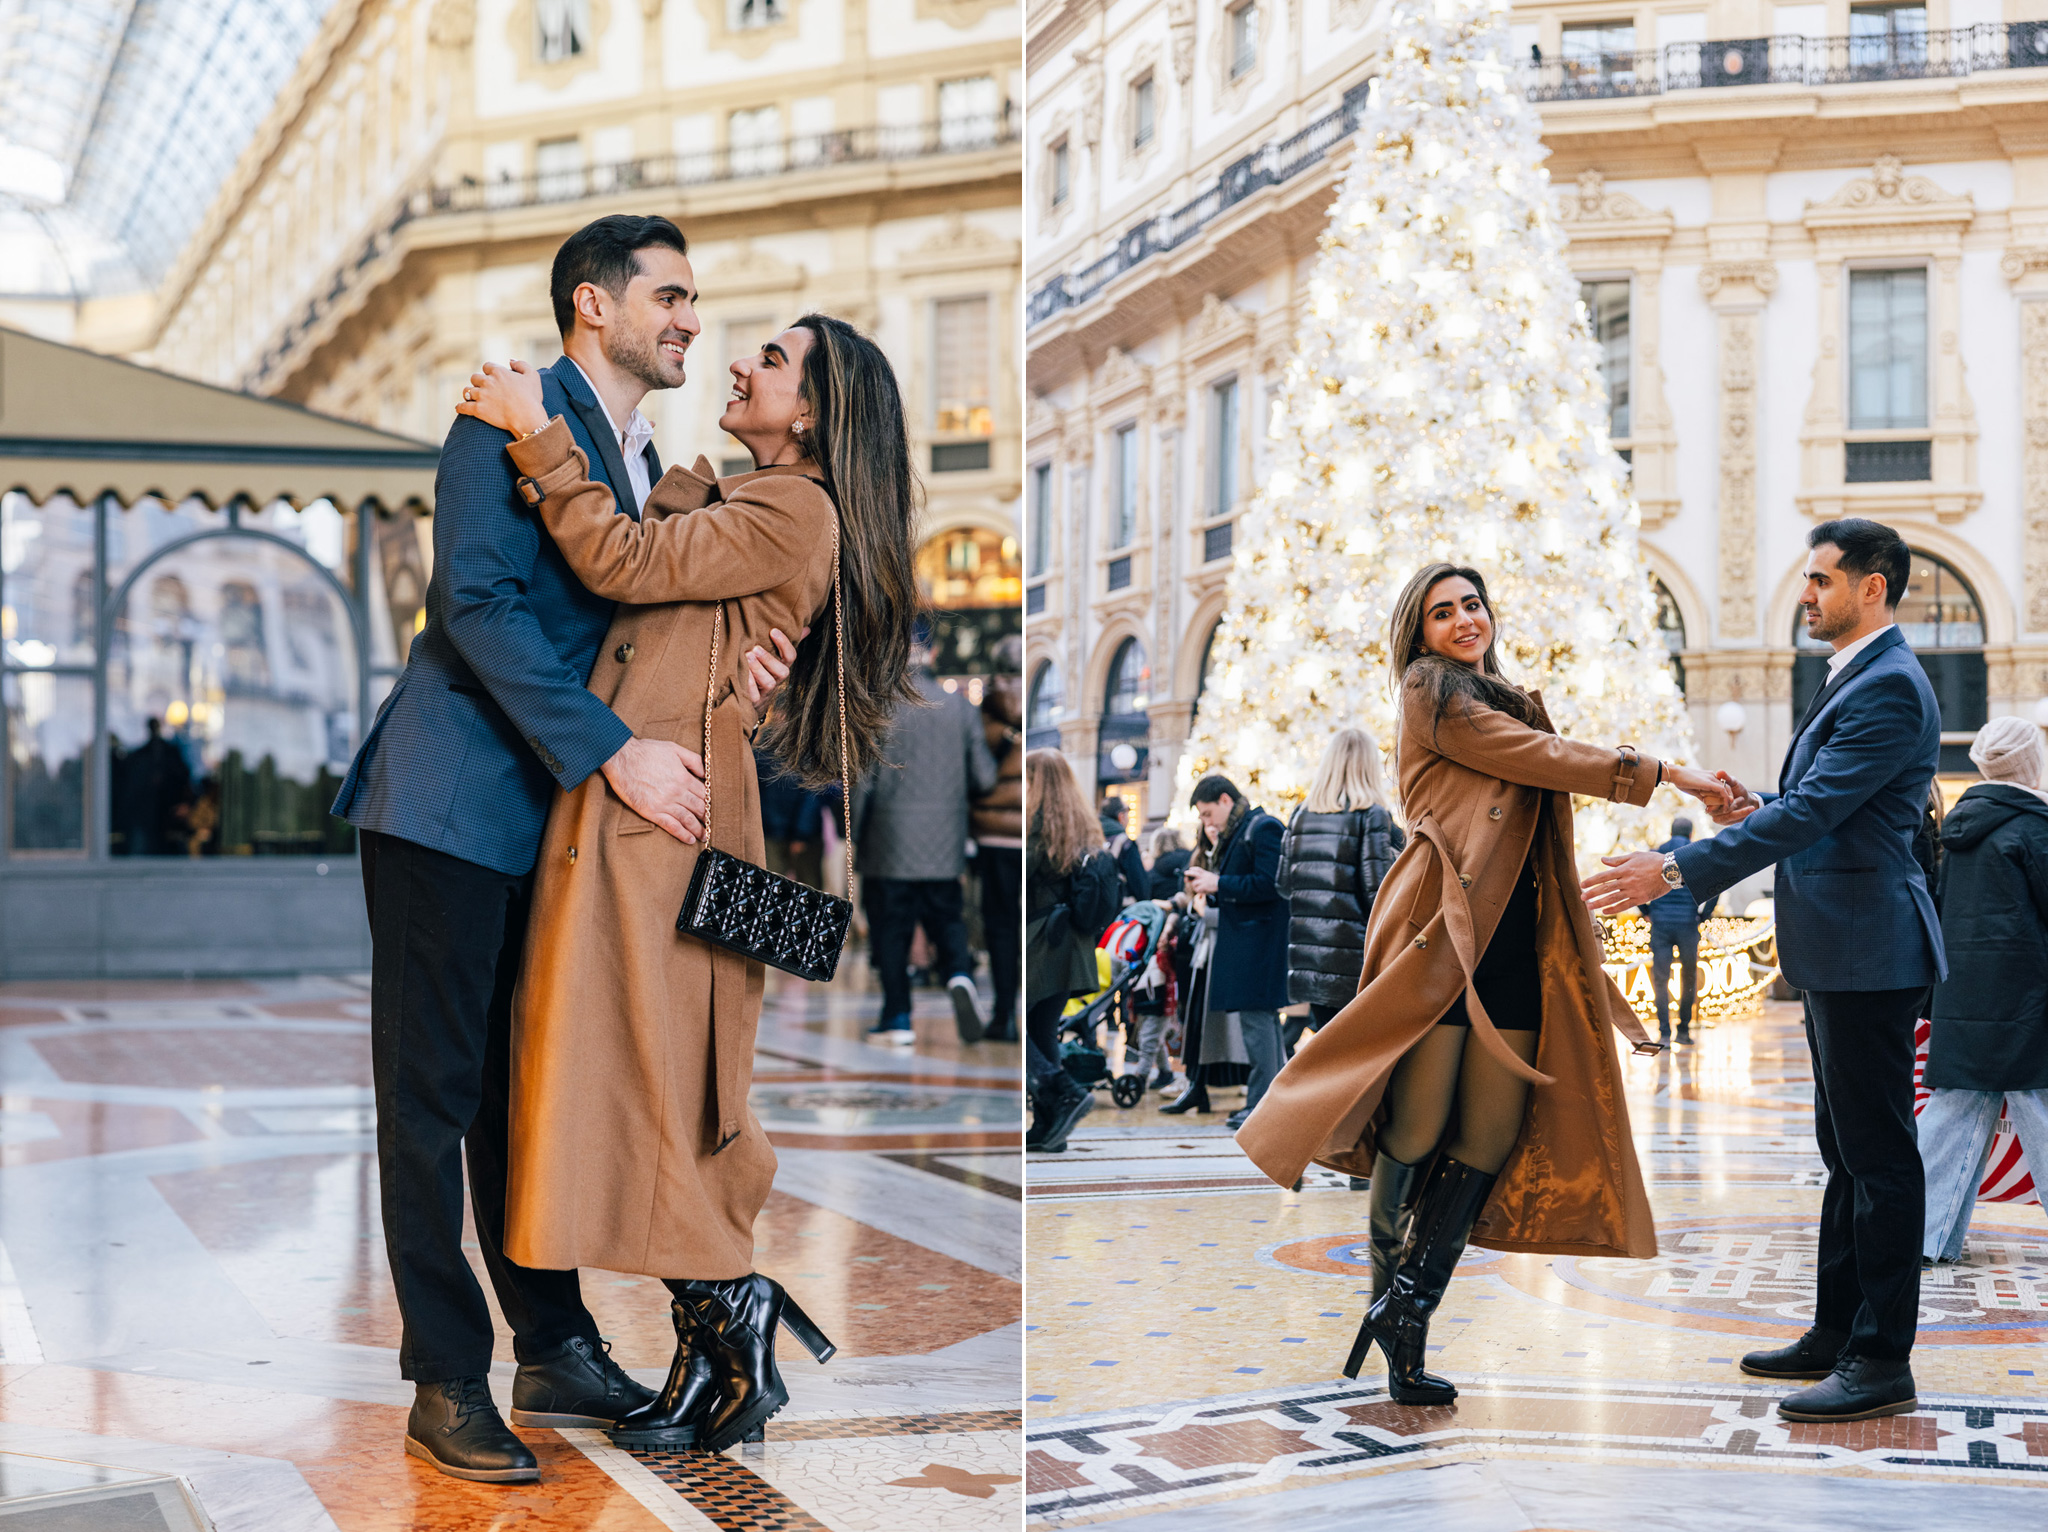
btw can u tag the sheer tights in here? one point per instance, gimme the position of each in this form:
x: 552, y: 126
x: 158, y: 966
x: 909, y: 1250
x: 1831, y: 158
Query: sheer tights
x: 1446, y: 1070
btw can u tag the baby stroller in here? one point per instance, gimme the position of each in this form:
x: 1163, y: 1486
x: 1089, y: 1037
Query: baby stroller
x: 1126, y: 960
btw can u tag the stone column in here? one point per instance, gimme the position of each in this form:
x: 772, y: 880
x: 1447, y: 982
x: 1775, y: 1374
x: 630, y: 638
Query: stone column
x: 2026, y: 268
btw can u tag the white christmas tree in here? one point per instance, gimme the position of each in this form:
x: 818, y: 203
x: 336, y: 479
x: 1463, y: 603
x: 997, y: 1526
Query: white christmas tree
x: 1443, y: 403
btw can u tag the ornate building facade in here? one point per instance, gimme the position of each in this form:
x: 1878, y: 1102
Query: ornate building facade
x: 1813, y: 245
x: 392, y: 224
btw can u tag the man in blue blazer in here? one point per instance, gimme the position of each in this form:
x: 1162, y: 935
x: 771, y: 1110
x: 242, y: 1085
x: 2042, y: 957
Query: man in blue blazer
x: 1858, y: 933
x: 450, y: 793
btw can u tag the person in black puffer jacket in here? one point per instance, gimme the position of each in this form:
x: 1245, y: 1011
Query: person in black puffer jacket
x: 1339, y: 845
x: 1989, y: 1045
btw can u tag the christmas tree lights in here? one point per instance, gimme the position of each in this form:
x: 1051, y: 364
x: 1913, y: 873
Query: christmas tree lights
x: 1444, y: 402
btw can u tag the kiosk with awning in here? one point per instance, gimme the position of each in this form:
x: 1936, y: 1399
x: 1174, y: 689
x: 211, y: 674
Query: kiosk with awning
x: 203, y: 596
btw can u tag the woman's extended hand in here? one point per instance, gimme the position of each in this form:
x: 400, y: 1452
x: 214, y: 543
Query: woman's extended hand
x: 507, y: 397
x: 1712, y: 792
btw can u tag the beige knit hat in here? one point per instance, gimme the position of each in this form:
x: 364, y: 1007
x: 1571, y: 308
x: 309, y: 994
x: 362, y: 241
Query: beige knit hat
x: 2009, y: 750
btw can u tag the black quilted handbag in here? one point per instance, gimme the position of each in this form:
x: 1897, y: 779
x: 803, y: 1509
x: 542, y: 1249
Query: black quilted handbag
x: 744, y: 908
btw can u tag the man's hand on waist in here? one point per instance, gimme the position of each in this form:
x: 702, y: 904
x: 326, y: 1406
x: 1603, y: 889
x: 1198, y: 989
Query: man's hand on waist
x: 663, y: 783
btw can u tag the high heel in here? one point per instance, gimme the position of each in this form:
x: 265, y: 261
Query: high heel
x: 1398, y: 1323
x: 1194, y: 1099
x: 674, y: 1417
x: 806, y: 1333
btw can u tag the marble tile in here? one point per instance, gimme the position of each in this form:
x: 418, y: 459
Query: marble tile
x: 238, y: 1493
x: 205, y: 1058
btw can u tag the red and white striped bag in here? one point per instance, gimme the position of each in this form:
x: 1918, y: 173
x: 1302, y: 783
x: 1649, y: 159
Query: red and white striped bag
x: 2005, y: 1172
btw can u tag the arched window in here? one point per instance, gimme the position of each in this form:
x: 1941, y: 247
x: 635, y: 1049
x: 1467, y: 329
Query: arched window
x: 1130, y: 681
x: 1670, y: 627
x: 1042, y: 709
x: 1125, y: 722
x: 1208, y: 658
x: 1942, y: 619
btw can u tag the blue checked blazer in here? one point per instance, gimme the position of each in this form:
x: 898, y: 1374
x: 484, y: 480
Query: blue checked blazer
x: 1852, y: 906
x: 491, y: 714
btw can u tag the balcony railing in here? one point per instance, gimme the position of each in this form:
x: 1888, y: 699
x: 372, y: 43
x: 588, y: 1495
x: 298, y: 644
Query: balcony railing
x: 818, y: 151
x: 1677, y: 66
x: 1265, y: 166
x: 740, y: 162
x: 1791, y: 61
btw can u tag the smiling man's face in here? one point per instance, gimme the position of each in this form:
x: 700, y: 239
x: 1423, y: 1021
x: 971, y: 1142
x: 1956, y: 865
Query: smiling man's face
x: 656, y: 319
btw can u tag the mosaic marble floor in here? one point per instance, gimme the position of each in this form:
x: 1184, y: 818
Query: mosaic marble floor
x: 1187, y: 1323
x: 195, y: 1306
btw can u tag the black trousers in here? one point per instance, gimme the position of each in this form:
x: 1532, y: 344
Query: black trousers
x: 445, y: 941
x: 1002, y: 924
x: 1664, y: 941
x: 896, y: 907
x: 1873, y: 1208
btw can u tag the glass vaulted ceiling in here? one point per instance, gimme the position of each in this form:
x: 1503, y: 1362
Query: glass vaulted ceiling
x: 119, y: 119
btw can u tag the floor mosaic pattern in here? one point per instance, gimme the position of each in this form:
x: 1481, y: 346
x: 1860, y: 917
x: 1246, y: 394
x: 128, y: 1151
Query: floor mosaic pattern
x: 193, y: 1287
x: 1187, y: 1321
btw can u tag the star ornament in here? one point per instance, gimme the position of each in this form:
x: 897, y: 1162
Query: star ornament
x: 959, y: 1480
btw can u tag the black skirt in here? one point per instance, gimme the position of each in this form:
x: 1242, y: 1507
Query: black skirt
x: 1506, y: 976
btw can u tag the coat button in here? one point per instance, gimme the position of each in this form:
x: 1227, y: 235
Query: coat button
x: 1464, y: 880
x: 572, y: 856
x: 623, y: 653
x: 1422, y: 941
x: 1494, y: 812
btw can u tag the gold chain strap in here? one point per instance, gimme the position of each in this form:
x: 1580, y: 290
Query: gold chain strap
x: 839, y: 654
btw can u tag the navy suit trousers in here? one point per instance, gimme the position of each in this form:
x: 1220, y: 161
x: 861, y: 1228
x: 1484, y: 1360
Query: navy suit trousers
x: 1874, y: 1205
x: 445, y: 940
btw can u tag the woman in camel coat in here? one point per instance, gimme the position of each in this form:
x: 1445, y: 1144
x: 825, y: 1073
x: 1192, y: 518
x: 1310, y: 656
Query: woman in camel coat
x: 632, y: 1144
x: 1486, y: 786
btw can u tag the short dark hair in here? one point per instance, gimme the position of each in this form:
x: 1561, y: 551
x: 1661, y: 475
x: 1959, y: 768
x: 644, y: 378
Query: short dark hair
x: 1213, y: 787
x: 604, y: 253
x: 1868, y: 547
x: 1681, y: 826
x: 1114, y: 806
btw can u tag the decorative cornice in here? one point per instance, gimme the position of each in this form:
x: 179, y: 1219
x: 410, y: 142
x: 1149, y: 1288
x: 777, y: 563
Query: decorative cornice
x: 2021, y: 260
x: 1593, y: 203
x: 1890, y: 196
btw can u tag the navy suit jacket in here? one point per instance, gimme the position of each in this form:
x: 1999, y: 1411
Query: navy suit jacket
x: 1852, y: 905
x: 491, y: 714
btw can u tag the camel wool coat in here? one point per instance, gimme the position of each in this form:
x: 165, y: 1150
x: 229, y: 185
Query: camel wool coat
x: 633, y: 1148
x: 1482, y: 792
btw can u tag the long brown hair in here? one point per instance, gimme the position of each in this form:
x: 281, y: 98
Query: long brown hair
x: 1409, y: 663
x: 1062, y: 829
x: 861, y: 448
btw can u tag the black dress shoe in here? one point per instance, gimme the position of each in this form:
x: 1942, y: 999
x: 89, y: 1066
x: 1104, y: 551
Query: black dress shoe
x: 675, y: 1416
x: 1813, y: 1355
x: 580, y: 1385
x: 455, y: 1427
x: 1860, y: 1388
x: 1238, y: 1118
x: 735, y: 1324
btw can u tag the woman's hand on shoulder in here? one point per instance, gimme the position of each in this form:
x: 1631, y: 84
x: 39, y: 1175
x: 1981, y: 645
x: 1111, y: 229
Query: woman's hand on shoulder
x: 508, y: 397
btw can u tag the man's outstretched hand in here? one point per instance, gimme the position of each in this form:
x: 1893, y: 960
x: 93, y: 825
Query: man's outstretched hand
x: 767, y: 671
x: 663, y: 783
x: 1741, y: 802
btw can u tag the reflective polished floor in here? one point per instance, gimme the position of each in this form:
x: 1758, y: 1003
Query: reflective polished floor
x: 1187, y: 1324
x: 195, y: 1306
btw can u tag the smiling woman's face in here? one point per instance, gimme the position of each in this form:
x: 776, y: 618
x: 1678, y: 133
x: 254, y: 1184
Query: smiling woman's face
x: 767, y: 390
x: 1455, y: 623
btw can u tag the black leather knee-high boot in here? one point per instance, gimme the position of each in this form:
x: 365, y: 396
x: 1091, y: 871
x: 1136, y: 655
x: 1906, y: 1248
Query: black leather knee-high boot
x: 1394, y: 1186
x: 1398, y: 1323
x: 674, y: 1416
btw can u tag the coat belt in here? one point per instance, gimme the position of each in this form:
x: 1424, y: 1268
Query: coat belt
x: 1457, y: 913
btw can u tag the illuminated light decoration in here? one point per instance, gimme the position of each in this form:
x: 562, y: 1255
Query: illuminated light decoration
x: 1738, y: 961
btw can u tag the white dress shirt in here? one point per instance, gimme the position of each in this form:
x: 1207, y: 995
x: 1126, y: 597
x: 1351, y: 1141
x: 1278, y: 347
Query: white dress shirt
x: 1840, y: 657
x: 632, y: 441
